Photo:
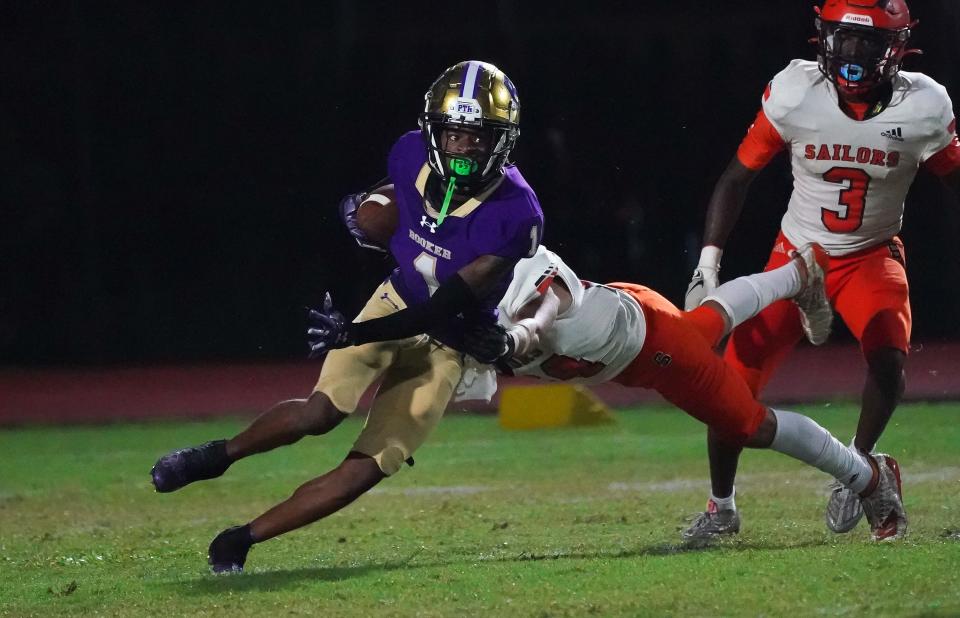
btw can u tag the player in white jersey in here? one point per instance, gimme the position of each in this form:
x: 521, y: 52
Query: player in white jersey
x: 857, y: 129
x: 556, y: 327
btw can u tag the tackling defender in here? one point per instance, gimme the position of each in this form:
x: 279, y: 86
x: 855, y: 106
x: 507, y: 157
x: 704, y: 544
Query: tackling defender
x: 857, y: 128
x: 466, y: 216
x: 561, y: 328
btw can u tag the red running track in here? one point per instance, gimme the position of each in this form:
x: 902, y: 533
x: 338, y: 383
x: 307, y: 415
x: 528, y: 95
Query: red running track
x: 201, y: 391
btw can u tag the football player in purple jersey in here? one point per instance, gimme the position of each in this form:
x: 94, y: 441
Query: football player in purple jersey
x: 466, y: 216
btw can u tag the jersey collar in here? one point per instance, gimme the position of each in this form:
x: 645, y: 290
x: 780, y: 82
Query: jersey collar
x: 463, y: 209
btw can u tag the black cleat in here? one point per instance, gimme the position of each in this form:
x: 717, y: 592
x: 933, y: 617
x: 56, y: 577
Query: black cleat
x: 186, y: 465
x: 228, y: 551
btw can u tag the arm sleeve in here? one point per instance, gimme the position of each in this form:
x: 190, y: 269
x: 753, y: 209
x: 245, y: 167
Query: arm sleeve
x: 526, y: 333
x: 946, y: 160
x: 761, y: 143
x: 451, y: 298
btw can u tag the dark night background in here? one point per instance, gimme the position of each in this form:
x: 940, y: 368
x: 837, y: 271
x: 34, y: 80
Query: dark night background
x: 170, y: 171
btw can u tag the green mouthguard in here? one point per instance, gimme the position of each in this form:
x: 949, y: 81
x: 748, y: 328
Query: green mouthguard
x: 459, y: 167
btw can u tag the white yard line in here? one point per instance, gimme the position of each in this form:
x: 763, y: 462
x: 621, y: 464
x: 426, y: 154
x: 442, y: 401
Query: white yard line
x: 453, y: 490
x: 806, y: 479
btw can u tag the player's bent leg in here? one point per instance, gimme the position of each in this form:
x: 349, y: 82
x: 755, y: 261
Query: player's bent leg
x: 319, y: 497
x: 346, y: 374
x: 745, y: 297
x: 874, y: 302
x: 409, y: 403
x: 313, y: 500
x: 286, y: 423
x: 804, y: 439
x: 697, y: 381
x: 758, y: 346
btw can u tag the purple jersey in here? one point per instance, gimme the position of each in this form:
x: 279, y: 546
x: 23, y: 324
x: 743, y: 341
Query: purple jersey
x: 505, y: 220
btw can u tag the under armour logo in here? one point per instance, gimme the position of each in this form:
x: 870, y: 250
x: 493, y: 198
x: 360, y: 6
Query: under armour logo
x: 387, y: 298
x: 430, y: 224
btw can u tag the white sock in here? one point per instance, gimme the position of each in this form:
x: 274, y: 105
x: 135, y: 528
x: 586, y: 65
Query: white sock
x: 853, y: 445
x: 745, y: 297
x: 725, y: 504
x: 802, y: 438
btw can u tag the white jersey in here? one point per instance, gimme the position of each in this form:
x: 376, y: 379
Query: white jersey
x: 851, y: 177
x: 590, y: 342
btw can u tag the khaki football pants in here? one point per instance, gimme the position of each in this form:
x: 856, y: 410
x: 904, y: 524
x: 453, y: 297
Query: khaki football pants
x: 419, y: 378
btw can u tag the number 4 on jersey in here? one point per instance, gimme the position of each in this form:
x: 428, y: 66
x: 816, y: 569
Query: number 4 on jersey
x: 844, y: 221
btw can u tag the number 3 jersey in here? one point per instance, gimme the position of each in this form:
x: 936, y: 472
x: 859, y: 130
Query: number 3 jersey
x: 850, y: 176
x: 505, y: 220
x: 591, y: 341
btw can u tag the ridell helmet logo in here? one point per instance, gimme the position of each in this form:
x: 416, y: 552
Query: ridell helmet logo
x: 853, y: 18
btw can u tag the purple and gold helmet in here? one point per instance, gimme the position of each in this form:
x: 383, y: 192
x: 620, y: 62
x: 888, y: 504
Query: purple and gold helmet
x: 471, y: 95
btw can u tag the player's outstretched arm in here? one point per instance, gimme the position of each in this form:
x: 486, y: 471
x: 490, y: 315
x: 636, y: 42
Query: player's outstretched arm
x: 723, y: 210
x: 726, y: 203
x: 490, y: 343
x: 537, y: 316
x: 328, y: 330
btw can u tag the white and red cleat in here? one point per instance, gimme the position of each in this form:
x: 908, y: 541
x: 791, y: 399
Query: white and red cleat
x: 884, y: 506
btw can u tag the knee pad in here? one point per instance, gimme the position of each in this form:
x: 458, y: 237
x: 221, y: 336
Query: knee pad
x: 390, y: 459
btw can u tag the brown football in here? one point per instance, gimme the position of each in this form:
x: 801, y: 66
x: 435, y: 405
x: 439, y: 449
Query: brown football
x: 377, y: 215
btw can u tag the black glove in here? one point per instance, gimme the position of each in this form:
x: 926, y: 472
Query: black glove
x: 328, y: 329
x: 488, y: 343
x: 348, y: 214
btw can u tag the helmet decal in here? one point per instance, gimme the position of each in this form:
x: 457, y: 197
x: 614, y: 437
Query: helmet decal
x: 465, y: 109
x: 470, y: 79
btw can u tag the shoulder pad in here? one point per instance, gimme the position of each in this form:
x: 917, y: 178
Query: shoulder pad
x: 788, y: 88
x: 533, y: 276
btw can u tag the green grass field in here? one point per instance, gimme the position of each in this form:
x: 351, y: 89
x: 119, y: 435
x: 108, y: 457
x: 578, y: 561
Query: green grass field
x: 546, y: 523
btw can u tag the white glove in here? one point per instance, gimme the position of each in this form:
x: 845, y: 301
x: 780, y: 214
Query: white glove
x: 706, y: 278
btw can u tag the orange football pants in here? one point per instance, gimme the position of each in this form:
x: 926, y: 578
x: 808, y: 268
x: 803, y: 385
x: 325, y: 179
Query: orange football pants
x: 678, y: 361
x: 868, y: 289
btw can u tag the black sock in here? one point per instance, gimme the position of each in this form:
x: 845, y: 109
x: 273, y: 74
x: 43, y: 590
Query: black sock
x: 215, y: 456
x: 247, y: 532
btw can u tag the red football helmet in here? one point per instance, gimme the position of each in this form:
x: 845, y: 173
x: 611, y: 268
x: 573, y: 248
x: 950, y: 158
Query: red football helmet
x: 862, y: 43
